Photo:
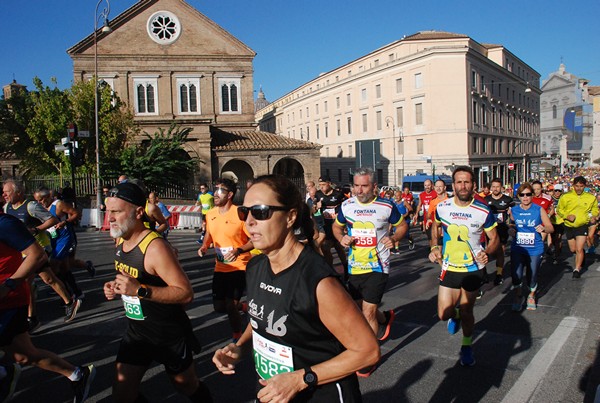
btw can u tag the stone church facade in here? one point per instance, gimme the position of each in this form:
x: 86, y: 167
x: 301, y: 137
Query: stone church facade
x: 170, y: 63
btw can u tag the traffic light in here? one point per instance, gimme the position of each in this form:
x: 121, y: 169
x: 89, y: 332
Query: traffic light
x: 72, y: 131
x: 78, y: 155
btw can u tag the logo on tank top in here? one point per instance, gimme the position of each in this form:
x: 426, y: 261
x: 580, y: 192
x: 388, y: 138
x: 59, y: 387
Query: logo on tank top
x: 270, y: 288
x: 253, y: 310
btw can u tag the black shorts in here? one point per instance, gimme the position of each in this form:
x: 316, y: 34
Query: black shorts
x: 13, y: 322
x: 502, y: 231
x: 469, y: 281
x: 573, y: 232
x: 369, y: 287
x: 328, y: 227
x: 346, y: 390
x: 229, y: 285
x: 176, y: 356
x: 559, y: 229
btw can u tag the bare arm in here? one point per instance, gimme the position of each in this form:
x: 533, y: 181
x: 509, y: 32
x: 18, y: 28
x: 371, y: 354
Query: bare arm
x: 157, y: 216
x: 72, y: 213
x: 546, y: 223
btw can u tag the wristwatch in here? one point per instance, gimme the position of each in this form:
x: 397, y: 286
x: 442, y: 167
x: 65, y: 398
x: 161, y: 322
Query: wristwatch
x: 240, y: 251
x: 310, y: 378
x: 143, y: 292
x: 10, y: 283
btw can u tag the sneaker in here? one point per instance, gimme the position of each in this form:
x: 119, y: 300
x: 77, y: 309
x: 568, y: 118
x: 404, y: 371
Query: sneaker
x: 89, y: 266
x: 395, y: 251
x: 411, y: 244
x: 366, y: 372
x: 9, y: 382
x: 33, y: 323
x: 385, y: 327
x: 467, y: 359
x: 576, y: 274
x: 498, y: 279
x: 71, y: 310
x: 453, y: 325
x: 531, y: 305
x: 479, y: 294
x: 81, y: 388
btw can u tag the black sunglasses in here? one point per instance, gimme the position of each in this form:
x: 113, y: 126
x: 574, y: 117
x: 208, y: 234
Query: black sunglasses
x: 260, y: 212
x: 525, y: 194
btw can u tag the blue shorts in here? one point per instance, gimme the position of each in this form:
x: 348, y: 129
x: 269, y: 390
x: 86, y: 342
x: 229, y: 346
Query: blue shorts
x: 62, y: 247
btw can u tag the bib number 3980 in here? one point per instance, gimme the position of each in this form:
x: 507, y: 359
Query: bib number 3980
x: 133, y: 307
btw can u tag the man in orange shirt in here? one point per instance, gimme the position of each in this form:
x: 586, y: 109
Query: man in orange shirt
x: 232, y: 245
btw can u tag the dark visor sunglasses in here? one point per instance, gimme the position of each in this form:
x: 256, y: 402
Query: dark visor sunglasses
x: 525, y: 194
x: 260, y: 212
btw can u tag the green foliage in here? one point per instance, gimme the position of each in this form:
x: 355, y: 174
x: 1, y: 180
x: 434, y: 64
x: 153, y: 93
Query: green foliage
x: 15, y: 114
x: 161, y: 159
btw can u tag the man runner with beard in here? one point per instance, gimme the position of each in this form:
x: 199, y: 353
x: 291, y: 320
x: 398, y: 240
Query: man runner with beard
x: 154, y: 289
x: 463, y: 220
x: 425, y: 198
x: 330, y: 199
x: 500, y: 205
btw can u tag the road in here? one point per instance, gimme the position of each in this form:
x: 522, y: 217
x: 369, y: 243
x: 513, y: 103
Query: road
x: 548, y: 355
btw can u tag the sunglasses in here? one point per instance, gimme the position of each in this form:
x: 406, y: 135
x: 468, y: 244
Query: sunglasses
x: 525, y: 194
x: 260, y: 212
x: 557, y: 190
x: 222, y: 190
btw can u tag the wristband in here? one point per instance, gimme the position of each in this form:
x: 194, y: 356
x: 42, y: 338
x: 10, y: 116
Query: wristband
x: 435, y: 247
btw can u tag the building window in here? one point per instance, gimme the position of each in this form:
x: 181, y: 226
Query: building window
x: 337, y: 102
x: 474, y: 112
x: 146, y: 95
x: 473, y: 79
x: 300, y: 114
x: 419, y: 114
x: 501, y: 120
x: 494, y: 121
x: 482, y: 82
x: 400, y: 116
x: 307, y: 133
x: 494, y: 146
x: 349, y: 121
x: 419, y: 146
x: 325, y: 106
x: 340, y: 154
x: 338, y: 129
x: 484, y: 146
x: 398, y: 85
x: 163, y: 27
x: 363, y: 95
x: 378, y: 91
x: 554, y: 113
x: 326, y: 129
x: 350, y: 150
x: 474, y: 144
x: 418, y: 81
x: 348, y: 100
x: 231, y: 97
x: 378, y: 120
x: 307, y: 112
x: 189, y: 95
x: 317, y: 131
x: 327, y: 151
x: 364, y: 123
x: 316, y: 109
x: 483, y: 115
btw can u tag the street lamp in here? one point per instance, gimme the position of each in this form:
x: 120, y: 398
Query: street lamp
x: 388, y: 120
x: 103, y: 15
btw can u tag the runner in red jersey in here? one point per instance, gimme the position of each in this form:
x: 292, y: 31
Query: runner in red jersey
x: 543, y: 200
x: 425, y: 198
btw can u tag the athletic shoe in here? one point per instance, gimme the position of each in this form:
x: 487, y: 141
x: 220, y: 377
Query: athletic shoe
x: 531, y: 305
x: 33, y: 324
x: 71, y: 310
x: 385, y: 327
x: 411, y: 244
x: 467, y: 359
x: 453, y: 325
x: 498, y: 279
x: 89, y: 266
x: 9, y: 382
x: 366, y: 372
x: 395, y: 251
x: 479, y: 294
x: 576, y: 274
x: 81, y: 388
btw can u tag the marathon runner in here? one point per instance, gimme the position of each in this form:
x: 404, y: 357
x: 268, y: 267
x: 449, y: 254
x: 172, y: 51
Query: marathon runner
x: 366, y: 218
x: 425, y: 198
x: 154, y: 289
x: 463, y: 259
x: 557, y: 223
x: 543, y: 200
x: 577, y: 209
x: 500, y: 205
x: 153, y: 199
x: 206, y: 200
x: 331, y: 199
x: 15, y: 243
x: 228, y: 233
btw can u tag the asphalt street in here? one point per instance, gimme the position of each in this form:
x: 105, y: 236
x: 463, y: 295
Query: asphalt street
x: 548, y: 355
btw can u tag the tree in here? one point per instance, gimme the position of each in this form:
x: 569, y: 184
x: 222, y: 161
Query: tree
x: 15, y: 114
x: 161, y: 159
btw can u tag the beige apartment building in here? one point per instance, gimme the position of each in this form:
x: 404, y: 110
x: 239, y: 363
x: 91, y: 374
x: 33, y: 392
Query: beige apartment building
x: 430, y: 101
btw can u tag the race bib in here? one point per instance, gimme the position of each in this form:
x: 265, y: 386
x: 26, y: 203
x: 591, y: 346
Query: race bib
x: 221, y: 252
x: 364, y: 237
x: 133, y: 307
x: 205, y: 206
x: 525, y: 238
x: 499, y: 217
x: 271, y: 358
x: 329, y: 213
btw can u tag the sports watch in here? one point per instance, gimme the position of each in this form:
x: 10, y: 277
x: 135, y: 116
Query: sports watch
x: 143, y: 291
x: 310, y: 378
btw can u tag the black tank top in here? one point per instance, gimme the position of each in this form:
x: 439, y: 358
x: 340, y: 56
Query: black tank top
x: 283, y: 307
x: 162, y: 323
x: 22, y: 214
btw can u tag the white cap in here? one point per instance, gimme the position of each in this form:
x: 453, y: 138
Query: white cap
x: 558, y: 186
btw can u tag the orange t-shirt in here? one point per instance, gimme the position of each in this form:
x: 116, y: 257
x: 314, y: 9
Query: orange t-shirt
x: 228, y: 232
x: 432, y: 206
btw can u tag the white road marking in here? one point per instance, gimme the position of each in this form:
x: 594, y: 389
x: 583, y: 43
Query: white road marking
x: 524, y: 388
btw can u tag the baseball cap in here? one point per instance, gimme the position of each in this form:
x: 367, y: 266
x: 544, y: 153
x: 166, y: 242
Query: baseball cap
x: 129, y: 192
x: 558, y: 186
x: 324, y: 178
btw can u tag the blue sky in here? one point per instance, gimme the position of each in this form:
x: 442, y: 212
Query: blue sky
x: 297, y: 40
